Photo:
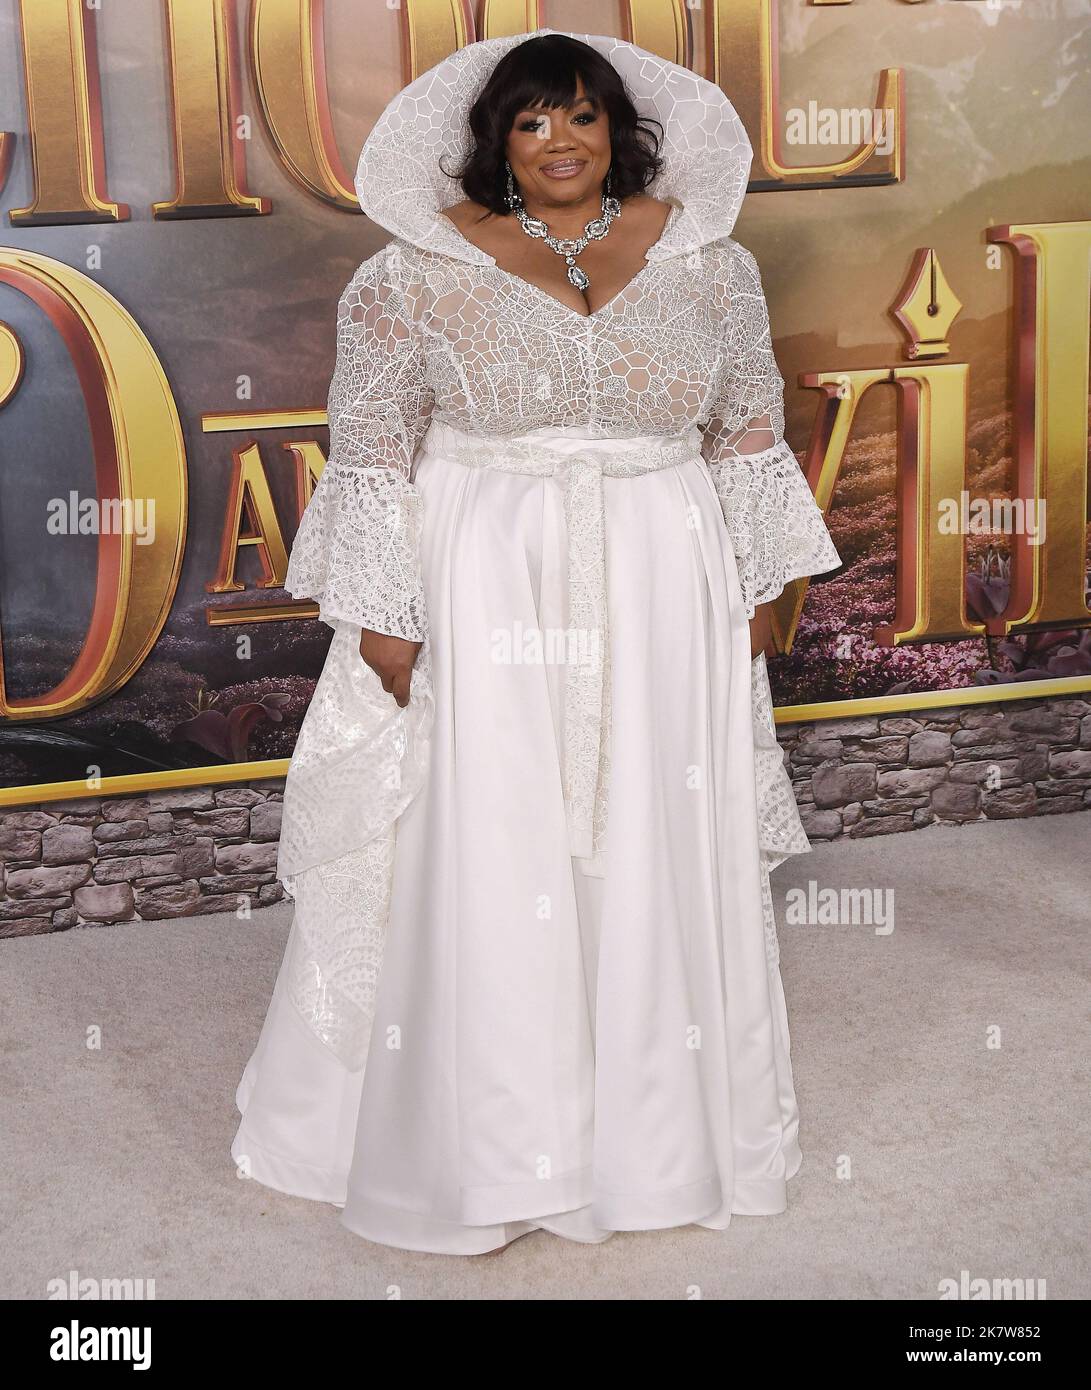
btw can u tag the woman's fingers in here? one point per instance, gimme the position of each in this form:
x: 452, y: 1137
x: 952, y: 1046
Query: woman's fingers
x: 761, y: 630
x: 395, y: 681
x: 400, y: 687
x: 392, y: 660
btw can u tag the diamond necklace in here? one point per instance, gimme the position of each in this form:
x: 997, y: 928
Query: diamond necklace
x: 568, y: 247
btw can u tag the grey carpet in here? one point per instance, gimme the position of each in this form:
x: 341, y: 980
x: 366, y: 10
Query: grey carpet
x: 960, y: 1155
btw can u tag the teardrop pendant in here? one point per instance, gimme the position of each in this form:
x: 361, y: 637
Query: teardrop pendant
x: 577, y: 277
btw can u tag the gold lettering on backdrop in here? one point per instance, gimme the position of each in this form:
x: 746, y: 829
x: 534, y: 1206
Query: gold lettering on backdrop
x: 930, y: 582
x: 287, y: 54
x: 1052, y: 288
x: 432, y: 30
x: 736, y: 30
x: 64, y: 117
x: 210, y: 159
x: 1053, y: 356
x: 822, y: 467
x: 139, y: 454
x: 249, y: 488
x: 7, y: 152
x: 930, y: 602
x: 926, y: 307
x: 1053, y: 282
x: 309, y: 464
x: 12, y: 363
x: 502, y: 18
x: 659, y: 26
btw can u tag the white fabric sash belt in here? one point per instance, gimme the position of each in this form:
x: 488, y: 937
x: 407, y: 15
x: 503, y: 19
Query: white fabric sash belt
x: 578, y: 464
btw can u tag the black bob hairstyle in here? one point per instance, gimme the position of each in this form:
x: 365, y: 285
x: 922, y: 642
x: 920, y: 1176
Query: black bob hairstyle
x: 543, y: 72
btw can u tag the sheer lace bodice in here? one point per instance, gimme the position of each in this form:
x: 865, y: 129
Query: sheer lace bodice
x: 423, y: 335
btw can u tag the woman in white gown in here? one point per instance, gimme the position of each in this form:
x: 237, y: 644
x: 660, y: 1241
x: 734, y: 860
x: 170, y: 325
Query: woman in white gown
x: 532, y: 978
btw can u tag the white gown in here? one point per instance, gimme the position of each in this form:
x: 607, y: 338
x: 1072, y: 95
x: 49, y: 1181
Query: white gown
x: 532, y: 979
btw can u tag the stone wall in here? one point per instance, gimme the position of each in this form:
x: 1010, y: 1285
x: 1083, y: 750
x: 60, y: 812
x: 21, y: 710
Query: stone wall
x: 878, y: 775
x: 139, y: 858
x: 187, y: 852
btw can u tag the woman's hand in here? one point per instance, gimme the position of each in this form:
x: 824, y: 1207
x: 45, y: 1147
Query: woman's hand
x: 392, y: 659
x: 761, y: 629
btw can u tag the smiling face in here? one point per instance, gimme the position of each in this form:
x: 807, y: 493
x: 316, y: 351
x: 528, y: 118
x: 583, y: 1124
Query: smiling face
x: 560, y: 156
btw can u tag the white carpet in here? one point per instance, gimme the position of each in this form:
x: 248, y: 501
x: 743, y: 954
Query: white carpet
x: 963, y: 1156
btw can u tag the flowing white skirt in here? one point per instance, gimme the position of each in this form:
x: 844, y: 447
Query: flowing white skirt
x: 554, y: 1050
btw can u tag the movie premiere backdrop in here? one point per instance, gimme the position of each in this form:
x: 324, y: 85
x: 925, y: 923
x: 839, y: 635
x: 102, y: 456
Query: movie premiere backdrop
x: 179, y: 222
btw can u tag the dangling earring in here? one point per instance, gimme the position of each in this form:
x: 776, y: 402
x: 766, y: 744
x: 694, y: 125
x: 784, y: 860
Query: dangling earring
x: 606, y: 184
x: 512, y: 196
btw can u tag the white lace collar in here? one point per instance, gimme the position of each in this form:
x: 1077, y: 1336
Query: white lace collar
x: 705, y: 148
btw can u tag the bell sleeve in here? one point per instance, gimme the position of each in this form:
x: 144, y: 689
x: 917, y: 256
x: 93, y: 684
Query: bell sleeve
x: 776, y: 527
x: 357, y: 547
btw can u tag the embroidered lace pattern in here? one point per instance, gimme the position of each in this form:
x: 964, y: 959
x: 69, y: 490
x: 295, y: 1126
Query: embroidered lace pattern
x: 356, y: 547
x: 776, y: 528
x: 686, y: 343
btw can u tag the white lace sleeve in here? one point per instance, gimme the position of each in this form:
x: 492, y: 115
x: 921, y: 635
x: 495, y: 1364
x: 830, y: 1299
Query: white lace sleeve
x: 776, y: 527
x: 356, y: 550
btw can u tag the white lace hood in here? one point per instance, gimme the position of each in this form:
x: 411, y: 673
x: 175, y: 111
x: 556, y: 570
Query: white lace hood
x: 705, y: 149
